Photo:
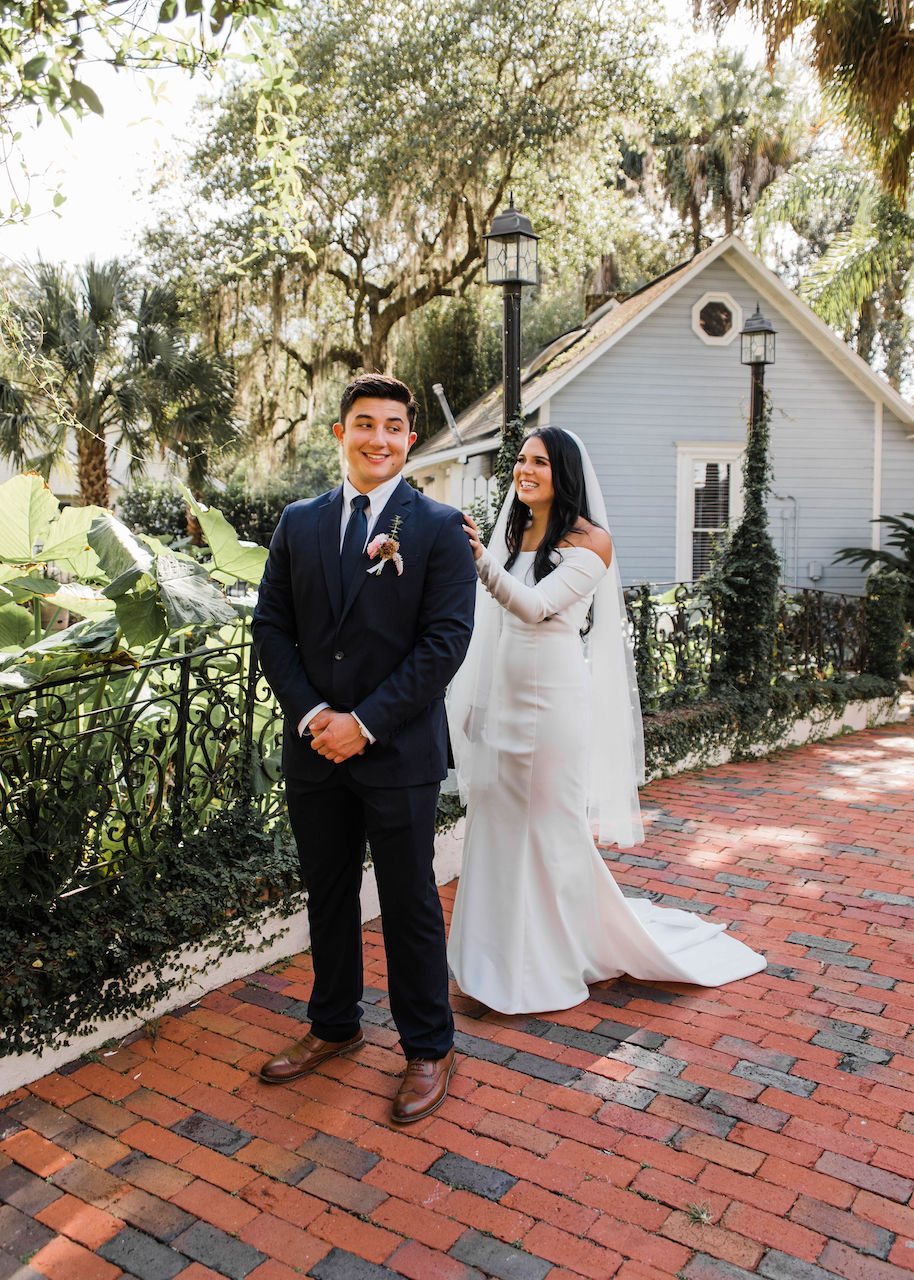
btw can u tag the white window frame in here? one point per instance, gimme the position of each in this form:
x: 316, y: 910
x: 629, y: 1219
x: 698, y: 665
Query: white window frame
x: 735, y: 310
x: 688, y: 454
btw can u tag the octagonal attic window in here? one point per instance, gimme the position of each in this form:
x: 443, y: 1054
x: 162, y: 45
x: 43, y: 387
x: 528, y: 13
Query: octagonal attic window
x: 717, y: 319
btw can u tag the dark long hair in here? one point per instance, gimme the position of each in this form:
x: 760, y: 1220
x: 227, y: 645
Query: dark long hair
x: 568, y: 505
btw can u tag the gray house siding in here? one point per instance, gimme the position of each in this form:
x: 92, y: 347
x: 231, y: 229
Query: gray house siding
x: 897, y: 469
x: 658, y: 385
x: 661, y: 384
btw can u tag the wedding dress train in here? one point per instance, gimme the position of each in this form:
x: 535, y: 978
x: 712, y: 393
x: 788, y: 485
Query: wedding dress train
x: 538, y: 914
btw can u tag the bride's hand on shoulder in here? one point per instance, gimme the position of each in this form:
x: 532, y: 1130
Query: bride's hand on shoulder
x: 593, y: 538
x: 470, y: 529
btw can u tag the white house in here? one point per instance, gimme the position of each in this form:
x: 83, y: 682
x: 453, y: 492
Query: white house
x: 64, y: 484
x: 655, y: 388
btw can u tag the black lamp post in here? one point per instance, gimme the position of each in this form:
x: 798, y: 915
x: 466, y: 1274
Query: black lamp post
x: 756, y: 350
x: 511, y: 262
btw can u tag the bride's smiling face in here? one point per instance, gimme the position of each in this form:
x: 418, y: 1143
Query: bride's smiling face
x: 533, y: 474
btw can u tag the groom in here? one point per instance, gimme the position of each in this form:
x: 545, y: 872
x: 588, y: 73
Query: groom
x: 358, y: 644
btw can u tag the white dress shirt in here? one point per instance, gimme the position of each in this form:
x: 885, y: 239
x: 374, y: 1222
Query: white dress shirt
x: 378, y: 499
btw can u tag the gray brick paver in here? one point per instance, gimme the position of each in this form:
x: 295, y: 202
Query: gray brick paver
x: 25, y: 1190
x: 215, y: 1134
x: 340, y: 1265
x: 496, y: 1259
x: 20, y: 1233
x: 223, y: 1253
x: 142, y: 1256
x: 457, y: 1171
x: 11, y: 1268
x: 771, y: 1079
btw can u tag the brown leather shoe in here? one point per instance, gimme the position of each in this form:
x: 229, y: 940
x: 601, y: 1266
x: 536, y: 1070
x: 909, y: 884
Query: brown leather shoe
x: 423, y: 1088
x: 304, y: 1056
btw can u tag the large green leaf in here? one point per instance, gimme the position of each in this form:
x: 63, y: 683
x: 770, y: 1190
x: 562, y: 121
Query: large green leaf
x: 73, y: 597
x: 233, y: 558
x: 93, y: 635
x: 15, y: 626
x: 27, y: 507
x: 67, y: 543
x: 190, y: 597
x: 122, y: 557
x: 62, y: 653
x: 141, y: 618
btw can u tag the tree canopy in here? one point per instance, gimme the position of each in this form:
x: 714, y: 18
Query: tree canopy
x: 47, y: 45
x: 851, y: 252
x: 102, y: 360
x: 863, y: 53
x: 725, y: 131
x: 352, y: 181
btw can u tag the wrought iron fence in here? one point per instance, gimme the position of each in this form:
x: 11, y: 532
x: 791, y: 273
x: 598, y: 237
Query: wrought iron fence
x: 821, y: 633
x: 96, y: 770
x: 675, y: 627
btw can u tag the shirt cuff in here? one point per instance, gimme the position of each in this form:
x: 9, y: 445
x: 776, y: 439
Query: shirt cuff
x: 367, y: 732
x: 306, y: 720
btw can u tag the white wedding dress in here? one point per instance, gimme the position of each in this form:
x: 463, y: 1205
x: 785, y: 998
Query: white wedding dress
x: 538, y: 915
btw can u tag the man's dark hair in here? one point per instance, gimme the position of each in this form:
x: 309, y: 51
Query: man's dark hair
x: 378, y: 386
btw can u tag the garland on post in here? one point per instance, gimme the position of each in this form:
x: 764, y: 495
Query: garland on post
x: 644, y: 620
x: 744, y: 585
x: 511, y: 440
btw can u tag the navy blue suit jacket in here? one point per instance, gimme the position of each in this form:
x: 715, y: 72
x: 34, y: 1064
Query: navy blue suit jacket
x: 385, y: 648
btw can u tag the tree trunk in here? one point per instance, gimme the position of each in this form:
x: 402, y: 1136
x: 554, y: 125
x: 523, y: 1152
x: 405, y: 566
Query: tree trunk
x: 92, y: 469
x: 194, y: 527
x: 696, y: 228
x: 896, y: 328
x: 377, y: 352
x: 866, y: 330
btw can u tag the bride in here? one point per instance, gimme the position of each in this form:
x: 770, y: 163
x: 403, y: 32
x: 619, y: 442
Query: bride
x: 546, y: 730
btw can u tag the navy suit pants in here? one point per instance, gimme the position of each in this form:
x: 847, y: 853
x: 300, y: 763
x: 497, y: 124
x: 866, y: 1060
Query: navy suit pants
x: 331, y: 823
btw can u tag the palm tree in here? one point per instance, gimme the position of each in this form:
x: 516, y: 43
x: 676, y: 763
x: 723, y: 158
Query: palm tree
x: 111, y: 366
x: 863, y: 53
x: 855, y: 252
x: 731, y: 131
x: 901, y: 537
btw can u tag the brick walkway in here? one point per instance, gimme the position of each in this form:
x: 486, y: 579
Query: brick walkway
x: 763, y: 1129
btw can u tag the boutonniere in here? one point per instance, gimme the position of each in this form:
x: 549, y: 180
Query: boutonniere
x: 386, y: 547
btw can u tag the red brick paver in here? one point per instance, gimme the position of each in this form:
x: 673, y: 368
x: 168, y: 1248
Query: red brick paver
x: 765, y: 1128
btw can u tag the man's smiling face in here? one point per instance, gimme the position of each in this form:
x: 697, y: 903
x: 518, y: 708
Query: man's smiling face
x: 376, y: 439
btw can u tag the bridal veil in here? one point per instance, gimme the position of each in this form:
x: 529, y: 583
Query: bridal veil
x: 616, y: 755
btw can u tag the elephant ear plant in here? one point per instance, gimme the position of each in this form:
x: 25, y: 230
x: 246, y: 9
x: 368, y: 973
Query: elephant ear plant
x: 138, y: 762
x: 71, y: 699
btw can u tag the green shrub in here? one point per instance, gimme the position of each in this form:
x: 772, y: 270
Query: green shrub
x: 886, y: 592
x: 907, y: 650
x: 643, y: 611
x: 154, y: 507
x: 253, y: 510
x: 63, y: 971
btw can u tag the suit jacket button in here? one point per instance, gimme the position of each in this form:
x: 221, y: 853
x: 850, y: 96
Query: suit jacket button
x: 338, y: 655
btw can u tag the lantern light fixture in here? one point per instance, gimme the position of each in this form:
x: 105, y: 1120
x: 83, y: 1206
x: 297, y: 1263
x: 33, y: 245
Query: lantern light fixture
x: 511, y: 250
x: 757, y: 340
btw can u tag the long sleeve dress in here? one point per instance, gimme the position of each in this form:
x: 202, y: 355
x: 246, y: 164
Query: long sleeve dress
x: 538, y: 914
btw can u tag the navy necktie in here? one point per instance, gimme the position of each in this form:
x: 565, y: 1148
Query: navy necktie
x: 354, y: 539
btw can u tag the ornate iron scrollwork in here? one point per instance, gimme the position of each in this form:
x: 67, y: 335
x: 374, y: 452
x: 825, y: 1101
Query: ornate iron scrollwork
x: 94, y: 770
